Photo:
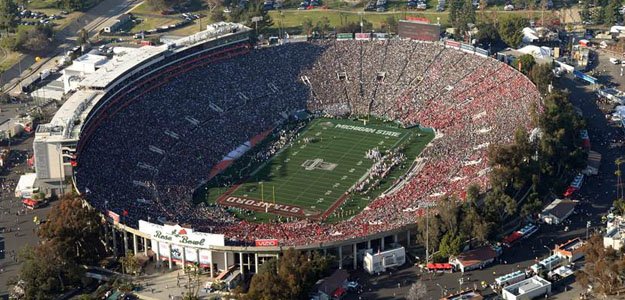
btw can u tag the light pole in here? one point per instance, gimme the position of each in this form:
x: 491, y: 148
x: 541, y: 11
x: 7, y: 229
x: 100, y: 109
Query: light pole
x: 61, y: 177
x: 255, y: 20
x: 360, y: 13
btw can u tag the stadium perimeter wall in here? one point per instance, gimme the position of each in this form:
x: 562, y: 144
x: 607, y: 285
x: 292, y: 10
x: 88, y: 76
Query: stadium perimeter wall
x: 222, y: 257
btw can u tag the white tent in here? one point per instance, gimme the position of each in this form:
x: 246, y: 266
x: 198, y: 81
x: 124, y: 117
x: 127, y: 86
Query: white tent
x: 529, y: 35
x: 617, y: 29
x: 538, y: 52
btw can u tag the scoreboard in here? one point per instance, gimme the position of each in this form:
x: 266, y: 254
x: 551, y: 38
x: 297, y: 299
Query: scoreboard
x: 419, y: 30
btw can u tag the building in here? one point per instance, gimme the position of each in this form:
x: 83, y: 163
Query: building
x: 475, y: 259
x: 571, y: 250
x: 615, y: 232
x: 558, y: 211
x: 379, y: 262
x: 560, y: 273
x: 332, y: 287
x: 466, y: 295
x: 510, y: 278
x: 118, y: 23
x: 527, y: 289
x: 548, y: 264
x: 80, y: 68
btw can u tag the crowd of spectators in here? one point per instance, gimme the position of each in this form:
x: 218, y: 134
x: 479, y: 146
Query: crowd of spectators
x: 166, y: 143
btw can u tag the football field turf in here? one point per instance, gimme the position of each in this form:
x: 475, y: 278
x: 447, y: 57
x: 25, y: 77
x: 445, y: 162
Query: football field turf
x: 311, y: 177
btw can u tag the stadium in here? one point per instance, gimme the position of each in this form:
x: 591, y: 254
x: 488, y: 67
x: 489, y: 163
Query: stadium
x: 318, y: 145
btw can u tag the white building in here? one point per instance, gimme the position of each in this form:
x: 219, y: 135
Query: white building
x: 475, y: 259
x: 80, y: 68
x: 379, y: 262
x: 558, y: 211
x: 527, y: 289
x: 615, y: 232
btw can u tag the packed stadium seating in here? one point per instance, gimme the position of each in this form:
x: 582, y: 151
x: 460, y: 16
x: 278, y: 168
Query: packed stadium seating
x: 150, y: 156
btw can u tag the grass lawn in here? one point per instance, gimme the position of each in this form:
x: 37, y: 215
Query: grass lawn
x: 153, y: 19
x: 314, y: 174
x: 149, y: 22
x: 294, y: 18
x: 8, y: 59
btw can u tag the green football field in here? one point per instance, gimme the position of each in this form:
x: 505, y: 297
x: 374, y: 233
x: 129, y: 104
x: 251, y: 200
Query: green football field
x: 319, y: 167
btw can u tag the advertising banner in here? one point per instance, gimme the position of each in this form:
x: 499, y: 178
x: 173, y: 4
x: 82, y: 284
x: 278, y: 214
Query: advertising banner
x: 363, y: 36
x: 267, y: 243
x: 177, y: 235
x: 344, y: 36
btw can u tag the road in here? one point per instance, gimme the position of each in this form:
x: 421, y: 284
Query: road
x: 93, y: 21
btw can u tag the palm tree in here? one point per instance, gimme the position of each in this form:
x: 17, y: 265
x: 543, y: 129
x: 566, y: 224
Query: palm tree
x: 619, y: 186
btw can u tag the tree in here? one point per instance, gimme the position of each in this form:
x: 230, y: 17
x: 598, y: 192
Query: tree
x: 487, y: 34
x: 619, y: 206
x: 34, y: 39
x: 323, y: 26
x: 73, y: 4
x: 498, y: 205
x: 532, y: 205
x: 75, y: 230
x: 527, y: 61
x: 217, y: 15
x: 130, y: 263
x: 390, y: 24
x: 291, y: 277
x: 258, y: 11
x: 307, y: 26
x: 604, y: 268
x: 598, y: 15
x: 461, y: 13
x: 45, y: 274
x: 584, y: 12
x: 159, y: 5
x: 212, y: 4
x: 612, y: 14
x: 559, y: 146
x: 417, y: 291
x: 8, y: 15
x: 542, y: 76
x: 83, y: 37
x: 451, y: 245
x: 473, y: 193
x: 510, y: 30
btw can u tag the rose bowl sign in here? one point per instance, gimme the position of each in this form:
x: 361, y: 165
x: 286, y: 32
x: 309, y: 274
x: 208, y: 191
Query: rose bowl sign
x: 177, y: 235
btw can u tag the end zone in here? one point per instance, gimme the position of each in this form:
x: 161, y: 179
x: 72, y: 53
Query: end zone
x: 260, y: 206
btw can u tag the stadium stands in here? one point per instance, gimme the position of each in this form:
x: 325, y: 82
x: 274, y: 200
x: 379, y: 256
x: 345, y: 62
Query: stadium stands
x: 160, y: 141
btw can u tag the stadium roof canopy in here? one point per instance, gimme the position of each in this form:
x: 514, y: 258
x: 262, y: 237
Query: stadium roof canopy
x: 61, y: 127
x: 123, y: 60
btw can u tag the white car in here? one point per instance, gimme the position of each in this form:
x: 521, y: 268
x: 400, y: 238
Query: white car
x: 351, y: 285
x: 615, y: 61
x: 615, y: 118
